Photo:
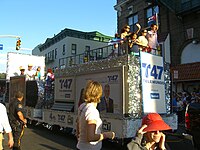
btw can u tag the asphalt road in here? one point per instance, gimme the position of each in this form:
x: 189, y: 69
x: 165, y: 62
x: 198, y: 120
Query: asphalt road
x: 42, y: 139
x: 38, y: 138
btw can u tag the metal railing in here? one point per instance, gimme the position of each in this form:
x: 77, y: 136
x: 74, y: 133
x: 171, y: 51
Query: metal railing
x: 102, y: 53
x: 92, y: 55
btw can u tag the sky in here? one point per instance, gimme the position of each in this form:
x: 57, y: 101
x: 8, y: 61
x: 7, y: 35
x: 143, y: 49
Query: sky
x: 36, y: 20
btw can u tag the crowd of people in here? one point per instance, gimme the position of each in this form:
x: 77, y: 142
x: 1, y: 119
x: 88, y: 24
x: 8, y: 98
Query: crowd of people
x: 30, y: 73
x: 141, y: 40
x: 180, y: 100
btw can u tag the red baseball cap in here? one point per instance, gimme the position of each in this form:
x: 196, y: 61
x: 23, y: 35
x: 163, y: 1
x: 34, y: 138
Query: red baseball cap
x: 154, y: 122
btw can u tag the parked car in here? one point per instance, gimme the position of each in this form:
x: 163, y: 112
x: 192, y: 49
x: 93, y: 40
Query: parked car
x: 192, y: 122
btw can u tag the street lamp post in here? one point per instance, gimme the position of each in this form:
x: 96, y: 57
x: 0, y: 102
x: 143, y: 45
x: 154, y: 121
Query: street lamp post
x: 18, y: 43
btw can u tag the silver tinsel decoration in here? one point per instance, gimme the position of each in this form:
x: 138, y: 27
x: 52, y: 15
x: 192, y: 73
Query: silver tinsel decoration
x: 93, y: 66
x: 167, y: 87
x: 133, y: 80
x: 41, y: 90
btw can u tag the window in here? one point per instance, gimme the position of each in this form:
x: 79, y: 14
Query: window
x: 100, y: 53
x: 46, y: 58
x: 132, y: 20
x: 151, y: 16
x: 52, y: 54
x: 87, y: 48
x: 49, y: 56
x: 87, y: 51
x: 73, y: 49
x: 55, y: 53
x: 63, y: 50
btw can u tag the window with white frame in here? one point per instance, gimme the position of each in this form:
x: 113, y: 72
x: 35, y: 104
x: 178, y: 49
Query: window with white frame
x: 73, y: 49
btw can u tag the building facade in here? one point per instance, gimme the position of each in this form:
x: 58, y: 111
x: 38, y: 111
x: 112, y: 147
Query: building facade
x: 178, y: 34
x: 69, y: 43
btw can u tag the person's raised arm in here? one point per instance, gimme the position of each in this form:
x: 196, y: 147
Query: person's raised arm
x: 139, y: 27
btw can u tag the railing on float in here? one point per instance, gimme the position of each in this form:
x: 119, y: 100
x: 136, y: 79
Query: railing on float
x: 94, y: 55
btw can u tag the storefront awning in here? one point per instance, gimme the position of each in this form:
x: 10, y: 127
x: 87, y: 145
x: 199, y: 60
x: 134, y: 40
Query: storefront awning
x: 186, y: 72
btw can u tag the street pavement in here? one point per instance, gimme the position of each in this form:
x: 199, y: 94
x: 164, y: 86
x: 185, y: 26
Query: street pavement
x: 39, y: 138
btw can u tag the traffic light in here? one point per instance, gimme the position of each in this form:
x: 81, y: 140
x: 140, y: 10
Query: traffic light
x: 18, y: 44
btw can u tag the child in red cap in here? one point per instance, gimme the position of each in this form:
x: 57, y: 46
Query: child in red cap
x: 150, y: 136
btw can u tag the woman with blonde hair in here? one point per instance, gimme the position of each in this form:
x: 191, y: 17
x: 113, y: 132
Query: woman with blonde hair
x: 89, y: 122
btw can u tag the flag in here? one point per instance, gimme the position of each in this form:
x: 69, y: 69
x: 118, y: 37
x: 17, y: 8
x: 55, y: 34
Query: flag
x: 1, y: 46
x: 115, y: 41
x: 152, y: 18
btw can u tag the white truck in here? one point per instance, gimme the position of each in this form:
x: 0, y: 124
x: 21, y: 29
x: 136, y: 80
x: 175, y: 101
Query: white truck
x: 138, y: 85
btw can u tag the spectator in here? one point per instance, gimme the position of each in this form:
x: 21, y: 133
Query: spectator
x: 133, y: 44
x: 5, y: 127
x: 180, y: 110
x: 150, y: 135
x: 30, y: 74
x: 22, y: 71
x: 17, y: 119
x: 143, y: 42
x: 125, y: 33
x: 49, y: 77
x: 38, y: 73
x: 89, y: 122
x: 193, y: 97
x: 174, y: 103
x: 152, y: 39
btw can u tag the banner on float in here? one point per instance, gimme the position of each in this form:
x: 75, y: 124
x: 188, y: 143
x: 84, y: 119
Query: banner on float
x: 64, y: 89
x: 111, y: 82
x: 153, y: 84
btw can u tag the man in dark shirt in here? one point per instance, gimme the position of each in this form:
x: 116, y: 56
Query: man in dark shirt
x: 17, y: 119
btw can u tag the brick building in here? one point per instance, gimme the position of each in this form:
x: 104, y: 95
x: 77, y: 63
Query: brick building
x: 178, y: 34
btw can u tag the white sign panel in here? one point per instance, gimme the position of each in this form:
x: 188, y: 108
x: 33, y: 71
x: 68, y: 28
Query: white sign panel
x: 17, y: 60
x: 153, y: 85
x: 64, y: 89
